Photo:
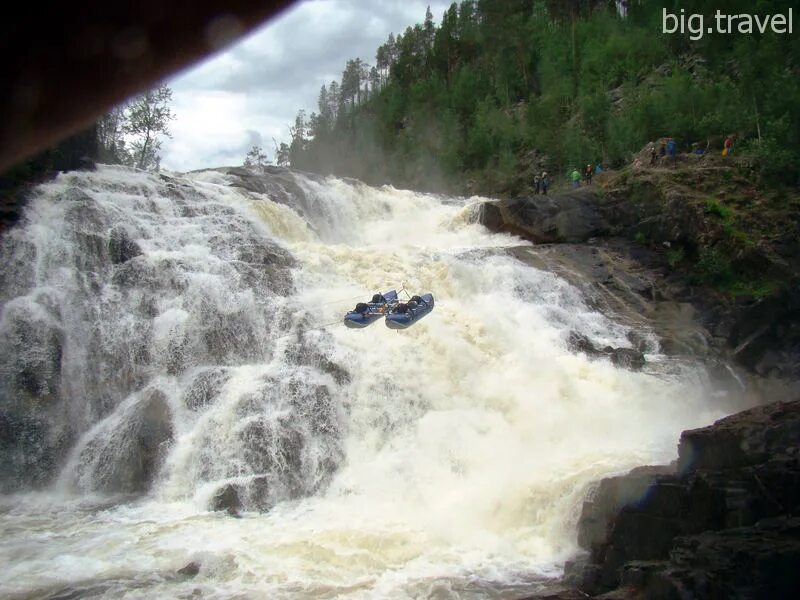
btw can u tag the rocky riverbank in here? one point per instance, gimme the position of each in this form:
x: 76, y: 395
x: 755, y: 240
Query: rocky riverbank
x: 713, y: 273
x: 709, y: 263
x: 720, y: 522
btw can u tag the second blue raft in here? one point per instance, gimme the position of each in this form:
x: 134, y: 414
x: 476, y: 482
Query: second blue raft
x: 405, y: 315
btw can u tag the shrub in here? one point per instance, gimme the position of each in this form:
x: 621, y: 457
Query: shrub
x: 713, y: 207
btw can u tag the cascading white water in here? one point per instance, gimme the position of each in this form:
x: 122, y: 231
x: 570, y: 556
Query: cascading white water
x: 448, y: 460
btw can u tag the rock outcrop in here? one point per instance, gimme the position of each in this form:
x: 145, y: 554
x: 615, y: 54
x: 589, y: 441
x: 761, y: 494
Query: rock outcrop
x: 627, y: 358
x: 125, y: 458
x: 703, y: 236
x: 718, y: 523
x: 566, y: 217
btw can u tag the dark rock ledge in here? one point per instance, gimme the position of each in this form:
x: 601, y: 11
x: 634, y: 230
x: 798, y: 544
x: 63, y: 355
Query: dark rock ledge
x: 720, y: 522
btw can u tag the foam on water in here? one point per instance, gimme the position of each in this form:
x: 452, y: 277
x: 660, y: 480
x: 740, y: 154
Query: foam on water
x: 468, y: 441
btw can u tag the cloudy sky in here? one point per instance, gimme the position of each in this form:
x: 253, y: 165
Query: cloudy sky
x: 250, y: 93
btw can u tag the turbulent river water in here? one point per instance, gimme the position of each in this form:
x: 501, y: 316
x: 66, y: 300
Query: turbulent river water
x: 165, y: 337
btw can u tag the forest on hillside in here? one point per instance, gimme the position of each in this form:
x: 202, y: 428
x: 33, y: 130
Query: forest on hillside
x: 501, y: 88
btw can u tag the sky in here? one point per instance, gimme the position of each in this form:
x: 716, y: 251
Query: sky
x: 250, y: 93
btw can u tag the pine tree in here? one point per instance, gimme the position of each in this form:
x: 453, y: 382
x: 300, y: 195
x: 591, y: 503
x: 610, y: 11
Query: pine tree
x: 256, y: 159
x: 147, y: 118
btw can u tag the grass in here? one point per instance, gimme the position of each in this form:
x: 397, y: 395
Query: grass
x: 675, y: 256
x: 714, y: 208
x: 714, y: 268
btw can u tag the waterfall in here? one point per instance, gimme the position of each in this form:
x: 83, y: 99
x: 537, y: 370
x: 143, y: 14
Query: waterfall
x: 170, y: 347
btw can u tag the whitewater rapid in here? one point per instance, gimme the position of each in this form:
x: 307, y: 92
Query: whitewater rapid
x: 453, y: 457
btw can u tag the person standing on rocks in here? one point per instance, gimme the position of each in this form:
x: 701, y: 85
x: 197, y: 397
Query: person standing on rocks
x: 587, y: 174
x: 672, y: 148
x: 545, y: 182
x: 537, y: 184
x: 575, y: 178
x: 728, y: 146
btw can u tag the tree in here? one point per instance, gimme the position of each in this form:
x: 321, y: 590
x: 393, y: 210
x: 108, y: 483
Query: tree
x: 334, y: 98
x: 298, y: 133
x: 281, y: 153
x: 110, y: 137
x: 428, y: 29
x: 147, y: 118
x: 256, y: 159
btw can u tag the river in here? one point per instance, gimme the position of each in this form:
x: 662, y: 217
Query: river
x: 449, y: 460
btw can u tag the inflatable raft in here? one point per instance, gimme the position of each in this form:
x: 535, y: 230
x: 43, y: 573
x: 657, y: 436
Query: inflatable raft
x: 366, y: 313
x: 406, y: 314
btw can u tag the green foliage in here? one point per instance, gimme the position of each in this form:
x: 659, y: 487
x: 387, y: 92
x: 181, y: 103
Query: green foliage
x: 713, y: 207
x: 775, y: 162
x: 639, y: 238
x: 147, y: 118
x: 714, y: 267
x: 256, y: 159
x: 570, y: 80
x: 675, y: 256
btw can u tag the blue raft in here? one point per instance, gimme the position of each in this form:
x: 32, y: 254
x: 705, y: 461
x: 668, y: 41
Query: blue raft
x: 405, y: 315
x: 367, y: 313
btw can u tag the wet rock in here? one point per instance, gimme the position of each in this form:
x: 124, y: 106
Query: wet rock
x: 224, y: 338
x: 566, y: 217
x: 163, y: 276
x: 31, y: 448
x: 37, y: 341
x: 765, y: 336
x: 580, y: 343
x: 625, y: 358
x: 121, y: 247
x: 18, y: 257
x: 126, y: 457
x: 722, y: 526
x: 305, y: 351
x: 227, y: 499
x: 190, y: 570
x: 205, y: 388
x: 747, y: 562
x: 747, y: 438
x: 490, y: 216
x: 288, y: 443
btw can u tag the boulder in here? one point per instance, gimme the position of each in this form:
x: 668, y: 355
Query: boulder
x: 121, y: 247
x: 625, y: 358
x: 190, y: 570
x: 567, y: 217
x: 720, y: 526
x: 227, y: 498
x: 125, y: 456
x: 205, y: 388
x: 744, y: 439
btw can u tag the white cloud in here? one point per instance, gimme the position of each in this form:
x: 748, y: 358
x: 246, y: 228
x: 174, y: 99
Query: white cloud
x: 256, y: 87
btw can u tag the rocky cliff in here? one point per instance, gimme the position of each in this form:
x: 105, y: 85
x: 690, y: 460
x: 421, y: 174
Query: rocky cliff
x: 709, y: 261
x: 720, y: 522
x: 698, y: 235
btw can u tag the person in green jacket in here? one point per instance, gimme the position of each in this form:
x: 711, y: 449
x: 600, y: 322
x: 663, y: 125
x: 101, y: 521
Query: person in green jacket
x: 575, y: 178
